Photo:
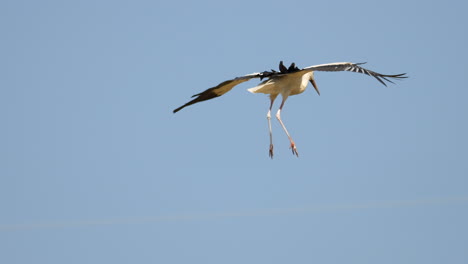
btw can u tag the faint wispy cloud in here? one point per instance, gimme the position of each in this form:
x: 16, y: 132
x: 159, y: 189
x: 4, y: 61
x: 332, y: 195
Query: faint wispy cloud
x: 318, y: 208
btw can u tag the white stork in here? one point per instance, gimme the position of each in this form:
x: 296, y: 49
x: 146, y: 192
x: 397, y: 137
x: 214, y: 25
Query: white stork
x: 288, y: 81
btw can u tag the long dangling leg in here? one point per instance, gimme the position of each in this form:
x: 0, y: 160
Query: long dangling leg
x: 272, y: 99
x: 278, y: 116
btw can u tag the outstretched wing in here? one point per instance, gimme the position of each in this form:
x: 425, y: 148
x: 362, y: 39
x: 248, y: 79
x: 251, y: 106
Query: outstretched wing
x: 354, y: 67
x: 220, y: 89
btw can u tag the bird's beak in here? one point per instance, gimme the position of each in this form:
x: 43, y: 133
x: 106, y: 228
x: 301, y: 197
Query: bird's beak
x: 312, y: 81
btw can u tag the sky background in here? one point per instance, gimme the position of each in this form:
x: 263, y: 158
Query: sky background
x: 95, y: 167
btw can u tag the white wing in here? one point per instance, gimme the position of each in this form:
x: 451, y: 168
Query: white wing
x: 354, y: 67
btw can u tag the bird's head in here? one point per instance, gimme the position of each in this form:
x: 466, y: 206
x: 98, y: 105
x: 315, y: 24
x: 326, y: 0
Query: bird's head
x: 312, y: 81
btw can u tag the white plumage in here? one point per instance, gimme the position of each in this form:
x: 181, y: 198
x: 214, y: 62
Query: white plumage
x: 287, y: 84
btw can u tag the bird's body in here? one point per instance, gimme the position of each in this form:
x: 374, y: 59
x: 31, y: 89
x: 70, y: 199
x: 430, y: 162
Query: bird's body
x: 286, y: 85
x: 286, y: 82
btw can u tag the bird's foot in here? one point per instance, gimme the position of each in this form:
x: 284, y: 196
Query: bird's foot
x: 294, y: 149
x: 270, y: 153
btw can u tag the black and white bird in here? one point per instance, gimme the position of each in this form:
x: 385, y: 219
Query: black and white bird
x: 286, y: 81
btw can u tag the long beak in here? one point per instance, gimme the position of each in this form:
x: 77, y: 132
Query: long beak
x: 312, y: 81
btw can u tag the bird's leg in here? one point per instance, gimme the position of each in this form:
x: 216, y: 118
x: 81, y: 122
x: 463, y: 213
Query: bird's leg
x: 270, y: 153
x: 272, y: 99
x: 278, y: 116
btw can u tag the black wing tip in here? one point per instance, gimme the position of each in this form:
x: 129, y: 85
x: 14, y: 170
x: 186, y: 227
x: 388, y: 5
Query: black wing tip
x: 400, y: 76
x: 178, y: 109
x: 394, y: 76
x: 382, y: 78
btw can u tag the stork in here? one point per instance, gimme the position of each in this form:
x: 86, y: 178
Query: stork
x: 287, y: 81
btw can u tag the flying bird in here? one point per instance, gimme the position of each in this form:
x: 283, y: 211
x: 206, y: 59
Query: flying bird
x: 287, y: 81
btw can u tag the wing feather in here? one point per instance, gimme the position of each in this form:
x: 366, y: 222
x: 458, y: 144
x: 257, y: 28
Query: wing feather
x: 354, y: 67
x: 219, y: 90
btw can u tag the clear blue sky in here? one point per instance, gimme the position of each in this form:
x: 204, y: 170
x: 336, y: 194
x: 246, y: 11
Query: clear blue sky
x: 95, y: 168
